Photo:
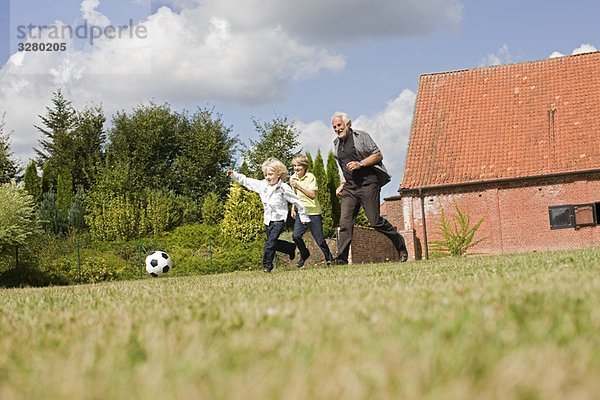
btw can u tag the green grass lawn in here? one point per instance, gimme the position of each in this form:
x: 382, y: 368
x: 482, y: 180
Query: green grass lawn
x: 513, y: 327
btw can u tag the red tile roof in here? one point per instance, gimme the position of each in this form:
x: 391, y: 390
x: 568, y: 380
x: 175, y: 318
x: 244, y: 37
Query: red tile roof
x: 506, y: 122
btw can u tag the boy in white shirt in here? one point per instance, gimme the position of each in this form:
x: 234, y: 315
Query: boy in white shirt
x: 275, y: 196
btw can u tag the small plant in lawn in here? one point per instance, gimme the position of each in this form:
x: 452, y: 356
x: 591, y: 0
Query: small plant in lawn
x: 458, y: 234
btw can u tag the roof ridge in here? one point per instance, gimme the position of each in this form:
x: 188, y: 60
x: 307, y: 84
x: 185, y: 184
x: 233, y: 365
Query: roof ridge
x: 538, y: 61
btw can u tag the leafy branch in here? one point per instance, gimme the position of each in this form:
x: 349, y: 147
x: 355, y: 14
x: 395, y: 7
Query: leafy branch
x: 458, y: 235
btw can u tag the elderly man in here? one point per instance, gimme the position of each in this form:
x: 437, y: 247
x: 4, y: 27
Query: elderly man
x: 363, y: 175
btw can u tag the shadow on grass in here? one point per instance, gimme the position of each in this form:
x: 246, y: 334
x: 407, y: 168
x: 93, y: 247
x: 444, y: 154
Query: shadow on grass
x: 25, y: 276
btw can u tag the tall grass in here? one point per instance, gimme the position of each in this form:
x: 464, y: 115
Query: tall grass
x: 512, y: 327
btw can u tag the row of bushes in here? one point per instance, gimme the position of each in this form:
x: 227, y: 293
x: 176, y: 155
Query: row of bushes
x: 76, y: 258
x: 125, y: 216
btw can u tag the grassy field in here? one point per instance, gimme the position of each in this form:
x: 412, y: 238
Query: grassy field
x: 513, y: 327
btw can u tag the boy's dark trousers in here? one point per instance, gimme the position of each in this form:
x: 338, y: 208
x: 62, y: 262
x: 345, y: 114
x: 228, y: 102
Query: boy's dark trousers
x: 273, y: 244
x: 316, y: 229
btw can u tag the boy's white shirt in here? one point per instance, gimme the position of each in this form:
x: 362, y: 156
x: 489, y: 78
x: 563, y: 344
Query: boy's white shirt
x: 274, y: 198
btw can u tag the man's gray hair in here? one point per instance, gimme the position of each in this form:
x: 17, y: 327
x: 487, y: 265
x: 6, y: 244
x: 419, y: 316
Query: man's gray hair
x: 345, y: 117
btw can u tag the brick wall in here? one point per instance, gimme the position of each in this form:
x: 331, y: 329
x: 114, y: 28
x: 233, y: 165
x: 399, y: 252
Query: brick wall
x: 515, y: 214
x: 369, y: 246
x: 316, y: 255
x: 392, y: 211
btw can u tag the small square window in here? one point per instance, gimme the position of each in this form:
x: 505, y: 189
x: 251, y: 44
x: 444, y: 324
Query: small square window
x: 585, y: 214
x: 561, y: 217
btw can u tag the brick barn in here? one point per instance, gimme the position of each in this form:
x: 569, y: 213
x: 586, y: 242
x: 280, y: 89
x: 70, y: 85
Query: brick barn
x: 517, y: 144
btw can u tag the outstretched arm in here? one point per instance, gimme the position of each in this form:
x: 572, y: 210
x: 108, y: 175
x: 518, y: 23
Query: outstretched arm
x: 249, y: 183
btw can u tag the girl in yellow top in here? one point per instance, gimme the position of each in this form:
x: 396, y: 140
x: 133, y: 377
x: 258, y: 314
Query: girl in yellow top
x: 305, y: 186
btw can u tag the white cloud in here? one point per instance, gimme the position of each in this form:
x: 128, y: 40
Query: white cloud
x: 389, y: 128
x: 503, y: 56
x: 314, y: 136
x: 208, y: 51
x: 184, y: 56
x: 583, y: 48
x: 91, y: 14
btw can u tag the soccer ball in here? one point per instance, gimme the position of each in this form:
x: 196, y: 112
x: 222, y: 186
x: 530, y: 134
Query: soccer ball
x: 158, y: 263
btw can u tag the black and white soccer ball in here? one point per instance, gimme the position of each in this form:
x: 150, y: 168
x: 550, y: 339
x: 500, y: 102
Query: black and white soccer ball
x: 158, y: 263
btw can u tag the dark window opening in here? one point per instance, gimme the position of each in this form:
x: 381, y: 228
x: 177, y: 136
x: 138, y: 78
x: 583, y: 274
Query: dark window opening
x: 574, y: 215
x: 561, y: 217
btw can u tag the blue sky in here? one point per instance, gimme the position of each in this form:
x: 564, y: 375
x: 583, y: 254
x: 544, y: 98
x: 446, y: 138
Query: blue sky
x: 262, y: 58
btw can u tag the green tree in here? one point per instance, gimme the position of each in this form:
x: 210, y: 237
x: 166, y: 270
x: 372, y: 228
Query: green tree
x: 333, y: 181
x: 17, y: 216
x: 64, y: 192
x: 318, y: 169
x: 89, y: 140
x: 161, y: 212
x: 33, y: 182
x: 76, y: 215
x: 212, y: 209
x: 9, y: 167
x: 50, y: 216
x: 278, y: 138
x: 310, y: 160
x: 71, y: 140
x: 57, y: 145
x: 206, y: 150
x: 245, y: 169
x: 114, y: 212
x: 158, y: 167
x: 112, y: 209
x: 144, y: 145
x: 361, y: 218
x: 46, y: 179
x: 243, y: 216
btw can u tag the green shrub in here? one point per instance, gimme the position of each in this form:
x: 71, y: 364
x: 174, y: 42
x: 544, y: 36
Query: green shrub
x: 190, y: 209
x: 17, y: 216
x: 161, y: 212
x: 243, y: 218
x: 361, y: 219
x: 212, y: 209
x: 90, y: 268
x: 458, y: 234
x: 50, y: 216
x: 69, y: 259
x: 77, y: 258
x: 76, y: 215
x: 23, y: 276
x: 33, y: 182
x: 64, y: 192
x: 202, y: 249
x: 112, y: 216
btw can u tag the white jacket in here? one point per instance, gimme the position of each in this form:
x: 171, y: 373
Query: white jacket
x: 274, y: 198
